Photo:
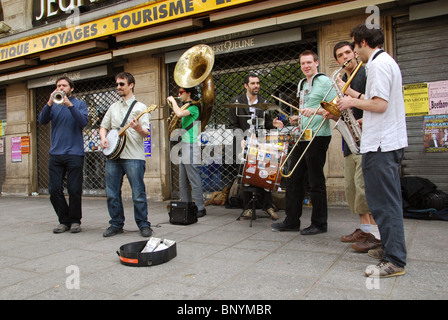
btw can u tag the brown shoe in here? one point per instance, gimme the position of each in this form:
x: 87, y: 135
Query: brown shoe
x: 357, y: 236
x: 272, y: 214
x: 247, y: 214
x: 369, y: 243
x: 377, y: 253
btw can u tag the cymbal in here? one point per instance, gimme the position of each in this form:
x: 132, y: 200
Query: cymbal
x: 236, y: 105
x: 261, y: 106
x: 265, y: 106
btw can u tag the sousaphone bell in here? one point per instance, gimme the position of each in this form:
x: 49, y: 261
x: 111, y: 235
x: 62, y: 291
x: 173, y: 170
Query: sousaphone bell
x: 194, y: 68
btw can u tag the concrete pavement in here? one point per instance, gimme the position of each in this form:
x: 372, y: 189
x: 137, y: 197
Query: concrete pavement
x: 218, y: 258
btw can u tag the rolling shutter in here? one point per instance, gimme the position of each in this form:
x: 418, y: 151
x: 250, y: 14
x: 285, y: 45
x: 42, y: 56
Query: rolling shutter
x: 421, y: 48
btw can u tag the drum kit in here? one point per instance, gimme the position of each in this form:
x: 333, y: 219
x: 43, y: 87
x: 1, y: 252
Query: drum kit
x: 263, y: 156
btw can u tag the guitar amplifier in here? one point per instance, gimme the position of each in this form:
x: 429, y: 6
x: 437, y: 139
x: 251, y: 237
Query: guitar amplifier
x: 183, y: 212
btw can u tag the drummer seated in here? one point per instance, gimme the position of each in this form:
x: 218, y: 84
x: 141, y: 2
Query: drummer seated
x: 264, y: 200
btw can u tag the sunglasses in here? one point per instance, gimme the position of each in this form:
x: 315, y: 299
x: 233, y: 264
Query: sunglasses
x: 182, y: 92
x: 121, y: 84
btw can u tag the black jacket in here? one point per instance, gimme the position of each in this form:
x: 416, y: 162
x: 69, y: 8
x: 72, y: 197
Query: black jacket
x: 239, y: 116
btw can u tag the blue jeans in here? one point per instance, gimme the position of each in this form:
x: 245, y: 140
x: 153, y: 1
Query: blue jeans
x: 72, y: 166
x: 134, y: 170
x: 383, y: 192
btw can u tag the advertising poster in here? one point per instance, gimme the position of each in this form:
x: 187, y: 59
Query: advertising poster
x: 16, y: 149
x: 25, y: 144
x: 438, y: 97
x: 147, y: 143
x: 416, y: 99
x: 2, y: 127
x: 435, y: 133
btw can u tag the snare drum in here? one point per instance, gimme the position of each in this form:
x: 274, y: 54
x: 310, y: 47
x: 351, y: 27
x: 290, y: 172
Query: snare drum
x: 297, y: 132
x: 262, y: 165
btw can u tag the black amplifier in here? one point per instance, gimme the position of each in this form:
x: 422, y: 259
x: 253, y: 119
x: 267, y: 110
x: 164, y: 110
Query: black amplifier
x: 183, y: 212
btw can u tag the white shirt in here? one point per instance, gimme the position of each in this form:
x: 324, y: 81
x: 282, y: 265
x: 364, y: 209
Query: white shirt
x: 134, y: 148
x: 252, y: 111
x: 387, y: 129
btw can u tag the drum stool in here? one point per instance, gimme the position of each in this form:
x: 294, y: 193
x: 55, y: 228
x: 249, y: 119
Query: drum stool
x: 252, y: 203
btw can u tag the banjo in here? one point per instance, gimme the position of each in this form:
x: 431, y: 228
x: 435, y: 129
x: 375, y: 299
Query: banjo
x: 117, y: 138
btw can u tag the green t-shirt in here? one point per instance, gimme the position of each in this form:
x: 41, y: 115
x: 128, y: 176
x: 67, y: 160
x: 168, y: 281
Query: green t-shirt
x: 312, y: 100
x: 192, y: 134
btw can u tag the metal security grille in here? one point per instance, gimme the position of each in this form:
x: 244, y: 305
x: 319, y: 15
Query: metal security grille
x: 279, y: 71
x: 98, y: 94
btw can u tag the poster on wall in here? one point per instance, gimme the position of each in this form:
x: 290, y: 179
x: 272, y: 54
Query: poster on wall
x: 2, y: 127
x: 16, y: 149
x: 435, y: 133
x: 147, y: 143
x: 438, y: 97
x: 25, y: 145
x: 416, y: 99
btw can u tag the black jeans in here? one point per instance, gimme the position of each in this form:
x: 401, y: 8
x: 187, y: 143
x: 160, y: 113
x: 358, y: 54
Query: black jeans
x: 310, y: 171
x: 72, y: 166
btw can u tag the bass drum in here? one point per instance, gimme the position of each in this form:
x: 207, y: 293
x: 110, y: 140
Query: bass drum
x: 262, y: 164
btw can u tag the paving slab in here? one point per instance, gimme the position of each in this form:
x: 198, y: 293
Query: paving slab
x: 218, y: 259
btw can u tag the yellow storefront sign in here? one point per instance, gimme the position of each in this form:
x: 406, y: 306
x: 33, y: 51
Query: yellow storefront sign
x: 161, y: 11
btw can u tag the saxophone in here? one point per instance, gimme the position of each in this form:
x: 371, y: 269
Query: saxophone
x: 347, y: 125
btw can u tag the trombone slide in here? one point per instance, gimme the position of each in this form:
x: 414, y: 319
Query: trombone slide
x: 305, y: 130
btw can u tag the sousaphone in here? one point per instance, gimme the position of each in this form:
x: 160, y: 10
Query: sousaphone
x: 194, y: 68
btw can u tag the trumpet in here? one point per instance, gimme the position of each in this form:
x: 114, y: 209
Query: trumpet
x: 330, y: 107
x: 58, y: 97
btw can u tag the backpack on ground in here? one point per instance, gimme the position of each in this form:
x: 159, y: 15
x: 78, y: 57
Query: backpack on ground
x: 422, y: 199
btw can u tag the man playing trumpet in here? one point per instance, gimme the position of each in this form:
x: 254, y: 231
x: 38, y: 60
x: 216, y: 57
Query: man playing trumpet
x: 68, y: 118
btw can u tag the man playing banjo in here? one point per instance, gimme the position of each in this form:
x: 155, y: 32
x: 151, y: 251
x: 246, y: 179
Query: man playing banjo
x: 130, y: 162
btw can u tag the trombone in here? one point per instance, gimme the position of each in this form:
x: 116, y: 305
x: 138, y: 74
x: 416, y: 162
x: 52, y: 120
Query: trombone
x: 328, y: 108
x: 298, y: 140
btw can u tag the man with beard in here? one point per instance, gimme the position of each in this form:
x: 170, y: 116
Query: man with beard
x: 243, y: 118
x: 67, y: 118
x: 131, y: 161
